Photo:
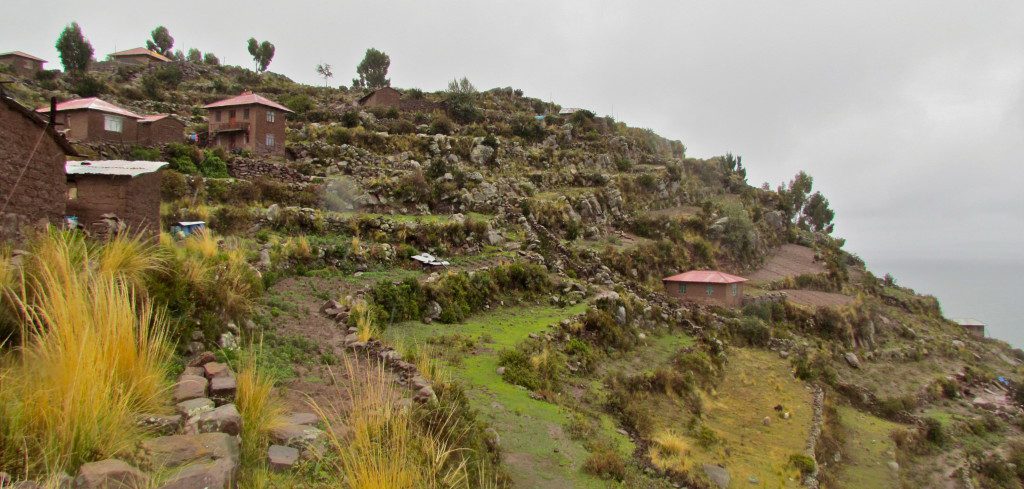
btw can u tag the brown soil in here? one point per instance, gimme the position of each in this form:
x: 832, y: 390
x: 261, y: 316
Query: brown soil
x: 788, y: 261
x: 817, y: 298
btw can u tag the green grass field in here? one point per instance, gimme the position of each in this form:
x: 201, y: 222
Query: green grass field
x: 868, y: 449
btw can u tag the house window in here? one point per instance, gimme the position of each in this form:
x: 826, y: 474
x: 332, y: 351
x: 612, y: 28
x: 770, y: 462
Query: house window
x: 72, y: 190
x: 735, y: 290
x: 710, y: 289
x: 216, y: 115
x: 682, y: 289
x: 270, y: 116
x: 270, y: 140
x: 113, y: 123
x: 245, y: 114
x: 231, y: 114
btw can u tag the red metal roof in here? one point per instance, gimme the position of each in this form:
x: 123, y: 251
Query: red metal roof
x: 153, y: 117
x: 141, y: 52
x: 22, y: 54
x: 247, y: 98
x: 91, y: 103
x: 705, y: 277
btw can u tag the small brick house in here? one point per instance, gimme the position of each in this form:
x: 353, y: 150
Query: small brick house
x: 23, y: 64
x: 382, y: 97
x: 128, y: 189
x: 973, y: 326
x: 707, y: 287
x: 247, y: 122
x: 160, y: 129
x: 138, y: 56
x: 31, y: 185
x: 95, y: 120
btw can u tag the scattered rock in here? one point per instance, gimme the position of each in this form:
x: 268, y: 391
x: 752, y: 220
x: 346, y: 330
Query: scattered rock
x: 281, y: 458
x: 190, y: 387
x: 501, y: 371
x: 295, y: 435
x: 767, y: 421
x: 852, y: 359
x: 217, y: 474
x: 202, y: 359
x: 228, y: 341
x: 718, y: 475
x: 194, y: 407
x: 110, y: 474
x: 224, y: 419
x: 893, y: 466
x: 161, y: 424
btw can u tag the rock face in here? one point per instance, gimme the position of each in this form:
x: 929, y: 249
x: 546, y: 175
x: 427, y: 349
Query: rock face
x: 110, y: 474
x: 718, y: 475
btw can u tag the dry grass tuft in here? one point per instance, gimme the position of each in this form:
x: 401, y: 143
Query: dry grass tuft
x: 260, y: 410
x: 669, y: 451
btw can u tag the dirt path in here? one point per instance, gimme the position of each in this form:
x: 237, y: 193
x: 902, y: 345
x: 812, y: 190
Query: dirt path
x: 789, y: 261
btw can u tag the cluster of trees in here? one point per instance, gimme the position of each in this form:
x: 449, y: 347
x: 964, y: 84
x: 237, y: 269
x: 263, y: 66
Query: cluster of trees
x: 807, y: 210
x: 76, y: 52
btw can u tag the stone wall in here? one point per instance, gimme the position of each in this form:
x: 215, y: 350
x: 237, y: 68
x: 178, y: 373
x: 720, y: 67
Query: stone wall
x: 250, y: 169
x: 39, y: 195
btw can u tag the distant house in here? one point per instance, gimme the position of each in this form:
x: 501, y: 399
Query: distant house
x: 138, y: 56
x: 31, y: 183
x: 95, y: 120
x: 382, y: 97
x: 24, y: 65
x: 707, y: 287
x: 973, y: 326
x: 129, y: 190
x: 248, y: 121
x: 568, y: 111
x: 160, y: 129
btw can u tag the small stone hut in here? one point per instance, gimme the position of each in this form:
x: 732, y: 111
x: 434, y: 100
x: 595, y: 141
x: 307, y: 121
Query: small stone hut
x: 23, y: 64
x: 382, y: 97
x: 160, y: 129
x: 973, y: 326
x: 31, y: 185
x: 129, y: 190
x: 138, y: 56
x: 707, y: 287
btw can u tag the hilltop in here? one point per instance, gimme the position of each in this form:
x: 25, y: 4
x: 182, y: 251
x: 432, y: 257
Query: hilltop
x: 549, y: 349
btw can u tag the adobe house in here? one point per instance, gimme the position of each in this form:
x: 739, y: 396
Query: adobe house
x: 31, y: 184
x: 382, y: 97
x: 973, y: 326
x: 129, y: 190
x: 94, y: 120
x: 138, y: 56
x: 249, y: 122
x: 23, y: 64
x: 706, y: 287
x: 160, y: 129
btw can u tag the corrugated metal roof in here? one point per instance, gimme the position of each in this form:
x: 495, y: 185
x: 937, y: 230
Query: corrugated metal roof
x: 23, y: 54
x: 91, y: 103
x: 143, y: 52
x: 113, y: 167
x: 705, y: 277
x: 153, y: 117
x: 569, y: 110
x: 247, y: 98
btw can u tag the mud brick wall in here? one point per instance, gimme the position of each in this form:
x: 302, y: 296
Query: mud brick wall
x: 41, y: 193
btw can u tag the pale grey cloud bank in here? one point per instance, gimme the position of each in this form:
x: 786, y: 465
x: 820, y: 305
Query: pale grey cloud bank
x: 910, y: 115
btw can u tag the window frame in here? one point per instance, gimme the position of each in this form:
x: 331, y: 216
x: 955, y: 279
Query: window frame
x: 270, y: 140
x: 216, y: 115
x: 682, y: 288
x: 245, y: 114
x: 709, y: 289
x: 271, y: 117
x: 113, y: 123
x: 735, y: 290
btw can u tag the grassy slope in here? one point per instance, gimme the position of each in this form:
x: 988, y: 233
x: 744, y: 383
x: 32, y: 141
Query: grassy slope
x: 868, y: 449
x: 754, y: 383
x: 537, y: 450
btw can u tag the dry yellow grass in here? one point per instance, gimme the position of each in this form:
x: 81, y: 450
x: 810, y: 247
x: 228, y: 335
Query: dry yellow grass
x: 93, y: 356
x: 669, y: 451
x: 261, y: 411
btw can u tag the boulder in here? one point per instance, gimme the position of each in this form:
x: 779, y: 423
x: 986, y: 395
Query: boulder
x: 280, y: 457
x: 110, y: 474
x: 178, y: 450
x: 194, y: 407
x: 224, y: 419
x: 852, y: 359
x: 216, y: 474
x: 295, y: 435
x: 222, y: 389
x: 190, y: 387
x: 216, y: 369
x: 302, y: 418
x: 718, y: 475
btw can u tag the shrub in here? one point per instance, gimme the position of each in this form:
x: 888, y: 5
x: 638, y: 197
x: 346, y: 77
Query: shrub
x: 935, y: 433
x: 350, y: 119
x: 87, y: 86
x: 606, y: 332
x: 173, y: 185
x: 183, y: 164
x: 518, y: 370
x: 752, y: 331
x: 440, y: 125
x: 605, y: 463
x: 213, y: 166
x: 145, y: 154
x: 803, y: 463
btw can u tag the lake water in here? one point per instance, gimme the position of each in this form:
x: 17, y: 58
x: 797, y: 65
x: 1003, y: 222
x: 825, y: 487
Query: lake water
x: 988, y: 290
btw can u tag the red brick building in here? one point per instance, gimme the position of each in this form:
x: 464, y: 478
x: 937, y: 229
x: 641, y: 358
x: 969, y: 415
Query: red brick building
x: 248, y: 121
x: 138, y: 56
x: 707, y: 287
x: 128, y: 189
x: 24, y: 65
x: 160, y: 129
x: 972, y: 326
x: 382, y: 97
x: 95, y: 120
x: 31, y: 185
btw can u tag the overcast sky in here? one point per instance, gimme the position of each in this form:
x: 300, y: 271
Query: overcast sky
x: 909, y: 115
